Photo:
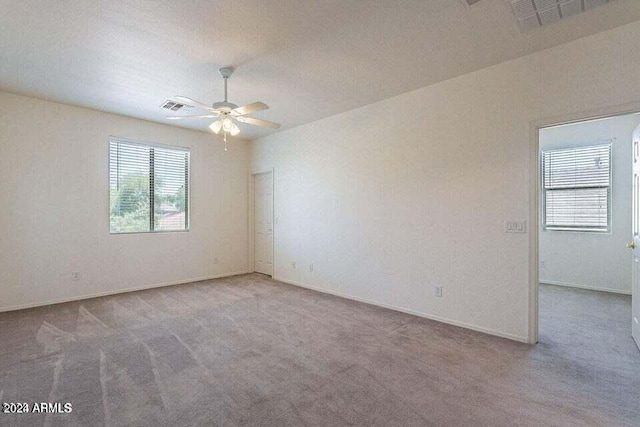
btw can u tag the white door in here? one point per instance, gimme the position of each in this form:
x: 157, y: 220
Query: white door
x: 263, y: 223
x: 635, y: 245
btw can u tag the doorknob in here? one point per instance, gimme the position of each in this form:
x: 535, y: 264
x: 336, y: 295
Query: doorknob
x: 631, y: 245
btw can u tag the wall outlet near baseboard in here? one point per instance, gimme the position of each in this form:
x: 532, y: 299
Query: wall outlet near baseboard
x: 437, y: 291
x: 543, y: 263
x: 75, y: 275
x: 311, y: 268
x: 293, y: 265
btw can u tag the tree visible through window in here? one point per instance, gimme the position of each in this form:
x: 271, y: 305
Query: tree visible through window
x: 576, y: 185
x: 149, y: 187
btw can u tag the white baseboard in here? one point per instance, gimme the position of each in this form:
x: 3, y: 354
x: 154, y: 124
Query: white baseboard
x: 409, y: 311
x: 118, y: 291
x: 590, y: 288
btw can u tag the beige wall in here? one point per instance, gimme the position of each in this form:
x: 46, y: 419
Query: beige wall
x: 594, y: 260
x: 389, y: 200
x: 54, y: 207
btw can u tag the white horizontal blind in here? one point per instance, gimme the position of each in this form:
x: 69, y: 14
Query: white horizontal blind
x: 149, y: 187
x: 171, y: 186
x: 576, y: 184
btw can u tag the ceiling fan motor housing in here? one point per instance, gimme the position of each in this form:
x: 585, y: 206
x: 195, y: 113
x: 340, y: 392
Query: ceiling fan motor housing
x: 224, y: 106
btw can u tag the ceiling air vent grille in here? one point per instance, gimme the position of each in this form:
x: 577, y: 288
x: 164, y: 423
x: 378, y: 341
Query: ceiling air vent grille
x: 175, y: 106
x: 536, y: 13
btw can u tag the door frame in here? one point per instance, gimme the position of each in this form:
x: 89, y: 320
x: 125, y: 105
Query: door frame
x: 534, y: 194
x: 251, y: 220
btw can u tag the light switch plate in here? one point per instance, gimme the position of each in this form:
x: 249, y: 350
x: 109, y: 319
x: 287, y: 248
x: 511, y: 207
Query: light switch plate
x: 515, y: 227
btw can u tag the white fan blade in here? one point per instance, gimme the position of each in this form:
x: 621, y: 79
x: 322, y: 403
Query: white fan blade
x: 206, y: 116
x: 250, y: 108
x: 193, y: 102
x: 258, y: 122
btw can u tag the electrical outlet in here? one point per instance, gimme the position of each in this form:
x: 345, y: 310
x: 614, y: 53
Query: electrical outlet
x: 293, y: 265
x: 438, y: 291
x: 75, y: 275
x: 216, y: 260
x: 543, y: 263
x: 311, y: 268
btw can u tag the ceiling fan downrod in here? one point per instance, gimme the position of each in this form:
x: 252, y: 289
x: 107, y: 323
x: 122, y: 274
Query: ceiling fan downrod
x: 225, y: 72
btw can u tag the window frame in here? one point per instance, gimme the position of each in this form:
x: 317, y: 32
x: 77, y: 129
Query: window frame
x: 188, y: 202
x: 543, y: 193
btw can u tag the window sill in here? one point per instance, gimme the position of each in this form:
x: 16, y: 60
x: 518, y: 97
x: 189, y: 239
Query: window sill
x: 117, y: 233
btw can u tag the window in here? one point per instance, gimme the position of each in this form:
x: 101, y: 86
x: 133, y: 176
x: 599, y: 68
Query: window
x: 149, y: 187
x: 577, y: 188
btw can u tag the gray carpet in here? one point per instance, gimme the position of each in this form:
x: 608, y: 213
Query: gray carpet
x: 251, y: 351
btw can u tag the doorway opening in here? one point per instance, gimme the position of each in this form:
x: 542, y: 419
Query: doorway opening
x: 588, y: 220
x: 262, y: 222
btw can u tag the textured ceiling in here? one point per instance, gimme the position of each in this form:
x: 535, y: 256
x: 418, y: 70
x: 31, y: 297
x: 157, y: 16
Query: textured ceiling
x: 307, y: 59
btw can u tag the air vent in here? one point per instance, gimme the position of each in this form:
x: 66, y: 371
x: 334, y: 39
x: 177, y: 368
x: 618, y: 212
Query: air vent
x: 470, y: 2
x: 537, y: 13
x: 175, y: 106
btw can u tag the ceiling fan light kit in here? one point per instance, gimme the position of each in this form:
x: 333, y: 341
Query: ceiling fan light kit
x: 227, y: 112
x: 226, y: 125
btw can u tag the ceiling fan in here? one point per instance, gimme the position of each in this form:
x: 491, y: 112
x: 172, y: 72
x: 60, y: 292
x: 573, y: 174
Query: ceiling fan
x: 227, y: 112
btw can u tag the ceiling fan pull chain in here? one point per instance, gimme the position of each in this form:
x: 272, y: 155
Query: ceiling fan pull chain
x: 225, y: 141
